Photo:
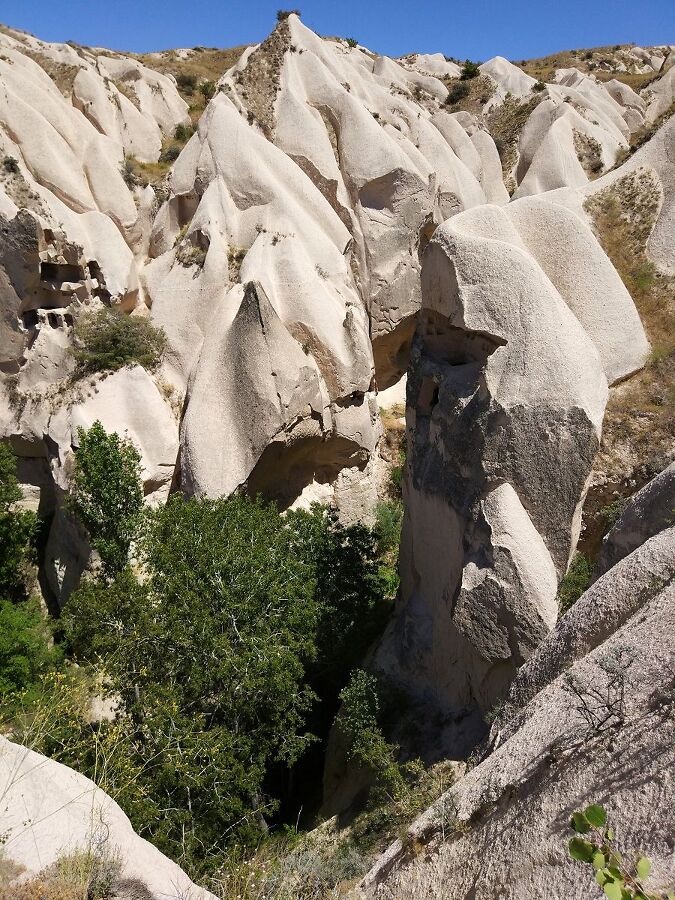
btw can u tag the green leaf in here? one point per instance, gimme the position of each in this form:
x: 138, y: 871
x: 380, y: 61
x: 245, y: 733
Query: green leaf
x: 596, y: 815
x: 613, y: 890
x: 579, y: 823
x: 598, y: 860
x: 602, y: 876
x: 643, y: 867
x: 609, y: 833
x: 581, y: 849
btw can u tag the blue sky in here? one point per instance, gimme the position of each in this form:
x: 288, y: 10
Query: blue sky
x: 478, y: 29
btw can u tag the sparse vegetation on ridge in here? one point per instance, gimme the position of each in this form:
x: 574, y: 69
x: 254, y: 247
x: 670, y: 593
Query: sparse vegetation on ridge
x: 640, y: 416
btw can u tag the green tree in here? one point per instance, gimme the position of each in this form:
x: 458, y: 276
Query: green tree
x: 469, y: 70
x: 207, y: 657
x: 349, y: 592
x: 17, y: 529
x: 25, y: 649
x: 108, y: 494
x: 359, y: 720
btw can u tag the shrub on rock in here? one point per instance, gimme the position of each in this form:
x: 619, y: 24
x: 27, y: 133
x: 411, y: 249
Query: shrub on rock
x: 108, y: 339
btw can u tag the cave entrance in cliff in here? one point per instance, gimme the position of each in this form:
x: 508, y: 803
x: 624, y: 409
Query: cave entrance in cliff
x: 57, y: 273
x: 286, y: 470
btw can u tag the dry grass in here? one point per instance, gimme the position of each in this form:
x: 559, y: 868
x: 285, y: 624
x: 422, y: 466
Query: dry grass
x: 505, y: 124
x: 204, y: 64
x: 327, y: 863
x: 62, y: 74
x: 589, y: 154
x: 587, y: 60
x: 640, y: 418
x: 481, y: 89
x: 94, y: 873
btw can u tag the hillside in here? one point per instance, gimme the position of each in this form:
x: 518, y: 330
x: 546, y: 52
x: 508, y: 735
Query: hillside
x: 334, y: 386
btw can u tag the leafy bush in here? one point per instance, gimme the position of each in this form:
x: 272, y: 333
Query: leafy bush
x: 207, y: 657
x: 389, y: 515
x: 107, y: 493
x: 457, y: 92
x: 283, y: 14
x: 621, y: 878
x: 574, y: 583
x: 10, y: 165
x: 183, y: 132
x: 109, y: 339
x: 539, y: 86
x: 17, y: 530
x: 170, y: 154
x: 469, y: 70
x: 25, y: 651
x: 352, y: 42
x: 207, y: 89
x: 349, y: 591
x: 359, y: 721
x: 187, y: 82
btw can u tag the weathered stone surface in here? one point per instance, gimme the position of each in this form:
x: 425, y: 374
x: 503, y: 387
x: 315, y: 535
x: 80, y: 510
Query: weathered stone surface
x: 648, y: 512
x: 513, y: 809
x: 505, y: 398
x: 48, y: 810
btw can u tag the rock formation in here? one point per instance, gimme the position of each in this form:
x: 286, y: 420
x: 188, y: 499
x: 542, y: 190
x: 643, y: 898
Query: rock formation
x: 502, y: 830
x: 506, y: 393
x: 49, y: 811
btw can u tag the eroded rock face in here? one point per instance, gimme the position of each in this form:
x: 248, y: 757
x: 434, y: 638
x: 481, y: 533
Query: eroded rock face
x: 314, y: 182
x: 362, y: 128
x: 48, y: 810
x: 506, y: 393
x: 648, y: 512
x: 546, y: 761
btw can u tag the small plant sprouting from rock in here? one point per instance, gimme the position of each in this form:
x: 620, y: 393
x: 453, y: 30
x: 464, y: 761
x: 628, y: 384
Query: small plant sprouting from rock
x: 352, y: 42
x: 539, y: 86
x: 183, y: 132
x: 10, y: 165
x: 574, y: 583
x: 620, y: 877
x: 207, y: 89
x: 602, y: 705
x: 170, y: 154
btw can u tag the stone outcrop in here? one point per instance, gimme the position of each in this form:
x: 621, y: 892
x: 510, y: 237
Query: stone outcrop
x: 647, y: 513
x: 502, y: 830
x: 506, y: 393
x: 48, y: 811
x: 317, y: 175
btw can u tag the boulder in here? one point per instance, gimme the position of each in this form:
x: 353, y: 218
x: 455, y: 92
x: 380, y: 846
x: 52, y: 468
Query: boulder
x: 48, y: 810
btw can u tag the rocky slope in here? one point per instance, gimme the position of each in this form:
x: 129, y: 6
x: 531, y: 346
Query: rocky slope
x: 337, y: 219
x: 318, y: 173
x: 48, y: 812
x: 589, y: 718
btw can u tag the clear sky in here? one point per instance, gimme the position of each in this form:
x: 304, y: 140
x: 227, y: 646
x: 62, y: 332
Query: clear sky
x: 478, y: 29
